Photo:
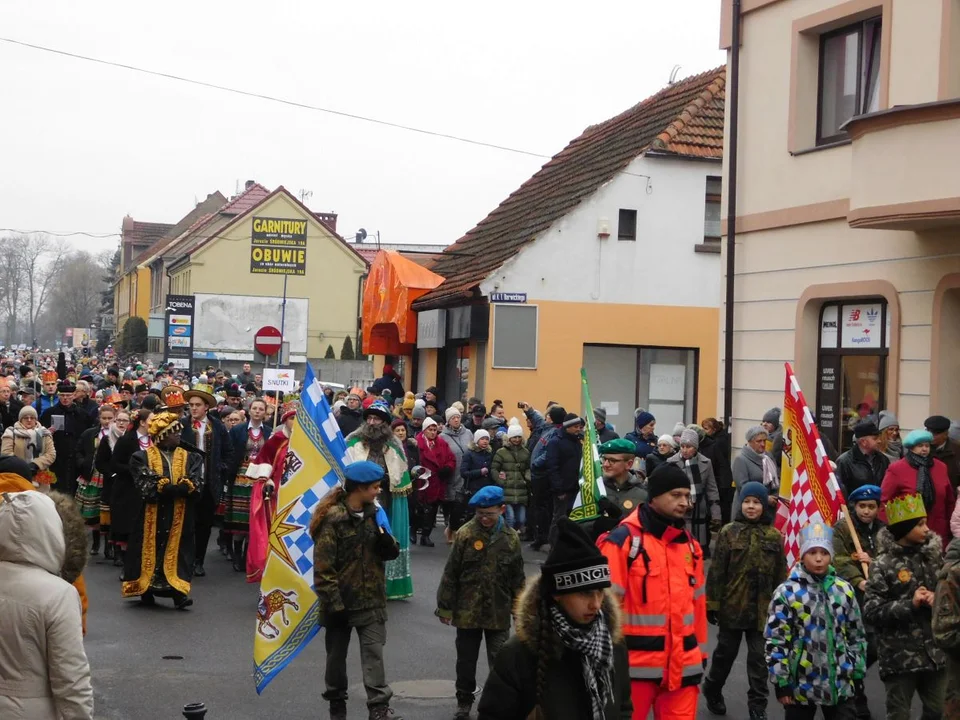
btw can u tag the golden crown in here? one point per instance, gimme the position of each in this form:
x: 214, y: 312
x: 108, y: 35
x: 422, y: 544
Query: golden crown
x: 50, y: 376
x: 906, y: 507
x: 162, y: 424
x: 173, y: 397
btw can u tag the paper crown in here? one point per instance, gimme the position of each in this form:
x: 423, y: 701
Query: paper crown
x: 113, y: 399
x: 816, y: 535
x: 172, y: 397
x: 288, y: 411
x: 906, y: 507
x: 49, y: 376
x: 162, y: 424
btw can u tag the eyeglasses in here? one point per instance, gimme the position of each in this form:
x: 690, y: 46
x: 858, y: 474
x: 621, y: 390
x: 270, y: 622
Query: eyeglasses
x: 608, y: 459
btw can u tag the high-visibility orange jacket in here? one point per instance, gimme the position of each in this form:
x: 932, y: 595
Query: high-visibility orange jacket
x: 661, y: 582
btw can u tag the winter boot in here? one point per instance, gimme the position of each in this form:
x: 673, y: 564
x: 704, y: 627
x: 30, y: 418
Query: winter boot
x: 338, y: 710
x: 107, y: 549
x: 95, y: 542
x: 239, y: 557
x: 118, y: 557
x: 463, y: 710
x: 715, y: 703
x: 758, y: 715
x: 425, y: 541
x: 383, y: 712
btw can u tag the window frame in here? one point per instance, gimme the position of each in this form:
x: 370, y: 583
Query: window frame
x: 710, y: 198
x: 493, y: 337
x: 620, y: 234
x: 860, y: 26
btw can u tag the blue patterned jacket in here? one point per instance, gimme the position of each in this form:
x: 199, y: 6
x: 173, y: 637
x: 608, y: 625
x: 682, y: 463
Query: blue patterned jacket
x: 816, y: 646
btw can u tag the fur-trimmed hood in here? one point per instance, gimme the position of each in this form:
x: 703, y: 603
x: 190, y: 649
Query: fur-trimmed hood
x: 74, y: 535
x: 932, y: 548
x: 527, y: 614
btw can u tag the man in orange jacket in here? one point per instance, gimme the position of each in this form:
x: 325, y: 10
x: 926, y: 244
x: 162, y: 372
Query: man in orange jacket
x: 657, y: 568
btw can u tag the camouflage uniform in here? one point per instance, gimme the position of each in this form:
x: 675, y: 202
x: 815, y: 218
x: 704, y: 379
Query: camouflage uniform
x: 748, y: 565
x: 910, y: 661
x: 629, y: 496
x: 946, y: 626
x: 349, y: 578
x: 482, y: 579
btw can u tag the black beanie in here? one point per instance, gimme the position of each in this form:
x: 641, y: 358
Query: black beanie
x: 574, y: 564
x: 13, y: 464
x: 899, y: 530
x: 665, y: 478
x: 557, y: 414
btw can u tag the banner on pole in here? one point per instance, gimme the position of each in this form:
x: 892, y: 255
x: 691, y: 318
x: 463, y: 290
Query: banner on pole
x: 809, y: 491
x: 279, y: 380
x: 586, y: 507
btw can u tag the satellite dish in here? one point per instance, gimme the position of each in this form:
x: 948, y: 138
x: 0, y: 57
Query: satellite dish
x: 361, y: 235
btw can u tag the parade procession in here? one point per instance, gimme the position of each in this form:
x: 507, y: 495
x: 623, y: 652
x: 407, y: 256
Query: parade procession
x: 641, y: 403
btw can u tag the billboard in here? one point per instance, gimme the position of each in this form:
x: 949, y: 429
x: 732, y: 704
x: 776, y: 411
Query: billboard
x: 226, y: 323
x: 278, y: 246
x: 178, y: 335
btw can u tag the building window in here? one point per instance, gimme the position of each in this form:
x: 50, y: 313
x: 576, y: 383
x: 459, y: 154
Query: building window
x: 849, y: 81
x: 515, y: 336
x: 852, y: 364
x: 627, y: 227
x: 711, y: 216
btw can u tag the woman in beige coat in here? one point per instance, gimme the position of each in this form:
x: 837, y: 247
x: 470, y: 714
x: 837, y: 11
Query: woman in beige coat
x: 32, y: 442
x: 44, y: 673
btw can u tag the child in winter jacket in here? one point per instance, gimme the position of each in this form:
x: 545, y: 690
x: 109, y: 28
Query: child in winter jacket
x: 864, y: 505
x: 475, y: 467
x: 946, y: 625
x: 748, y: 564
x: 899, y: 598
x: 511, y: 471
x: 816, y: 647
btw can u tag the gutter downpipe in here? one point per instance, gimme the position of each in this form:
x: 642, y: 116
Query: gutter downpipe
x: 734, y: 97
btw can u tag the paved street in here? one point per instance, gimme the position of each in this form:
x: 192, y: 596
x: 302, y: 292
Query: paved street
x: 210, y: 648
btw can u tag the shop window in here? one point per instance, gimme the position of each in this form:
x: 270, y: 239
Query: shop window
x: 852, y: 365
x: 627, y: 226
x: 515, y: 336
x: 849, y: 82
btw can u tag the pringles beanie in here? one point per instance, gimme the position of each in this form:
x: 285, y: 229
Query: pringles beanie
x: 575, y: 564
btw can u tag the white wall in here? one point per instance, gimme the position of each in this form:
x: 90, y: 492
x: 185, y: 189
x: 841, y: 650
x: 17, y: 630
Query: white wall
x: 228, y: 322
x: 570, y: 264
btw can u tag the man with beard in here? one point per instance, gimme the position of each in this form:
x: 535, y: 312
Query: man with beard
x: 375, y: 442
x: 233, y: 396
x: 9, y: 406
x: 159, y: 561
x: 67, y: 422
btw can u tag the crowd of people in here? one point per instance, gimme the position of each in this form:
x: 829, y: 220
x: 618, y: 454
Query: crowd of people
x: 143, y: 464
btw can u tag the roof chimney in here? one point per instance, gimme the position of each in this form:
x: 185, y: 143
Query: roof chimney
x: 249, y: 184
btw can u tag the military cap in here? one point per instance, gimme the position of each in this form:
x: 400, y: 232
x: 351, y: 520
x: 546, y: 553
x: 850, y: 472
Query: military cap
x: 363, y: 472
x: 489, y: 496
x: 620, y: 446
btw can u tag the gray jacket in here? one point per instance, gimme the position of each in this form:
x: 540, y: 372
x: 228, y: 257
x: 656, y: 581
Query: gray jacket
x: 708, y: 496
x: 458, y: 442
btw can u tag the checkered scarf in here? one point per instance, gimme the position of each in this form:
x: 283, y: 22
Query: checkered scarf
x: 595, y: 647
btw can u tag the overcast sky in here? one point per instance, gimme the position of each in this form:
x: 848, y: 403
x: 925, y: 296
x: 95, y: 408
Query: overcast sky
x: 85, y: 144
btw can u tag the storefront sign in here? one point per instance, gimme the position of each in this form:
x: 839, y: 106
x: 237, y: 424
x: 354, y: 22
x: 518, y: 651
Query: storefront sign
x: 278, y: 246
x: 861, y: 325
x: 431, y: 328
x: 828, y: 327
x: 178, y: 324
x: 828, y: 396
x: 499, y: 297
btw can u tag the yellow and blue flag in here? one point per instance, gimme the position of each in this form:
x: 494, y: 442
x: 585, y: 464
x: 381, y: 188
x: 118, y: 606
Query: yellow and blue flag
x: 288, y: 607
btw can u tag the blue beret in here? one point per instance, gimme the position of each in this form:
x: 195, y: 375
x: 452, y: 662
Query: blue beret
x: 489, y: 496
x: 363, y: 472
x: 865, y: 492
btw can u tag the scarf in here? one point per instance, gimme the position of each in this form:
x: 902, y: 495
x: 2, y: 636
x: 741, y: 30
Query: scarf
x: 924, y: 482
x: 115, y: 434
x: 33, y: 437
x: 595, y: 647
x: 771, y: 481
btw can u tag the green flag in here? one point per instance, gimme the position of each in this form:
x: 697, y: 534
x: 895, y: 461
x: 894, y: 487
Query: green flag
x: 585, y: 507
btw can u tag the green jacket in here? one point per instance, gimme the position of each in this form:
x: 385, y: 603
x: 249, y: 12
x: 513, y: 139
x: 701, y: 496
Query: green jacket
x: 946, y: 625
x: 904, y: 634
x: 515, y: 462
x: 630, y: 496
x: 843, y: 547
x: 348, y: 564
x: 482, y: 579
x: 748, y: 564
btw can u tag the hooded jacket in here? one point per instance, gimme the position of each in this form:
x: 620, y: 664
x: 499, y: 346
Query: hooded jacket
x: 511, y: 688
x: 514, y: 463
x: 475, y: 461
x: 813, y: 664
x: 904, y: 634
x: 44, y: 673
x: 628, y: 496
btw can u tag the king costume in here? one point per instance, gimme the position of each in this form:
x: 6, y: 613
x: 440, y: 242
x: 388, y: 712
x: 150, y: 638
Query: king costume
x: 160, y: 555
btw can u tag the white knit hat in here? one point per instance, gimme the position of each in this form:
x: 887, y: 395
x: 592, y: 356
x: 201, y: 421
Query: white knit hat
x: 480, y: 434
x: 514, y: 430
x: 667, y: 440
x: 451, y: 411
x: 428, y: 422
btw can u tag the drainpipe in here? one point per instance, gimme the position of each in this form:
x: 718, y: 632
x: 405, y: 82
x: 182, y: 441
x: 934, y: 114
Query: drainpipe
x: 733, y: 97
x: 360, y: 287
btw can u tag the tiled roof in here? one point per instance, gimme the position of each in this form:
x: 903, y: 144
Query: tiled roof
x: 423, y: 259
x: 200, y: 213
x: 145, y: 232
x: 685, y: 118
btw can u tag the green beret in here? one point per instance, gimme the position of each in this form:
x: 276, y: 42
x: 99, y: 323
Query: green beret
x: 620, y: 446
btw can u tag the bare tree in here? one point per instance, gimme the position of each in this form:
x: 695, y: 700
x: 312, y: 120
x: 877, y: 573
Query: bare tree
x: 11, y: 283
x: 75, y: 291
x: 41, y: 261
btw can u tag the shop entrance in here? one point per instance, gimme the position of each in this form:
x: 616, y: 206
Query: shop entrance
x: 852, y: 367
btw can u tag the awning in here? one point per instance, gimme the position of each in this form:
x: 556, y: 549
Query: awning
x: 394, y: 282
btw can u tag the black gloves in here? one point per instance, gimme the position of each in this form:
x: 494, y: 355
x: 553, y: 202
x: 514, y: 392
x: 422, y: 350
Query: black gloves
x: 713, y: 617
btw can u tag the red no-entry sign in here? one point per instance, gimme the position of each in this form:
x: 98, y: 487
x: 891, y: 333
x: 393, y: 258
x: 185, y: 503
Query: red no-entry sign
x: 266, y: 340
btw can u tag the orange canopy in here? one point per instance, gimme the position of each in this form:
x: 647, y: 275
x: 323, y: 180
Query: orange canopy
x: 389, y: 325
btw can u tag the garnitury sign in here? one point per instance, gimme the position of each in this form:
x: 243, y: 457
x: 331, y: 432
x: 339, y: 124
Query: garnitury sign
x: 278, y: 246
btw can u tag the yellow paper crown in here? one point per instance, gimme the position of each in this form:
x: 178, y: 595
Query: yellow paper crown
x: 907, y: 507
x: 162, y: 424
